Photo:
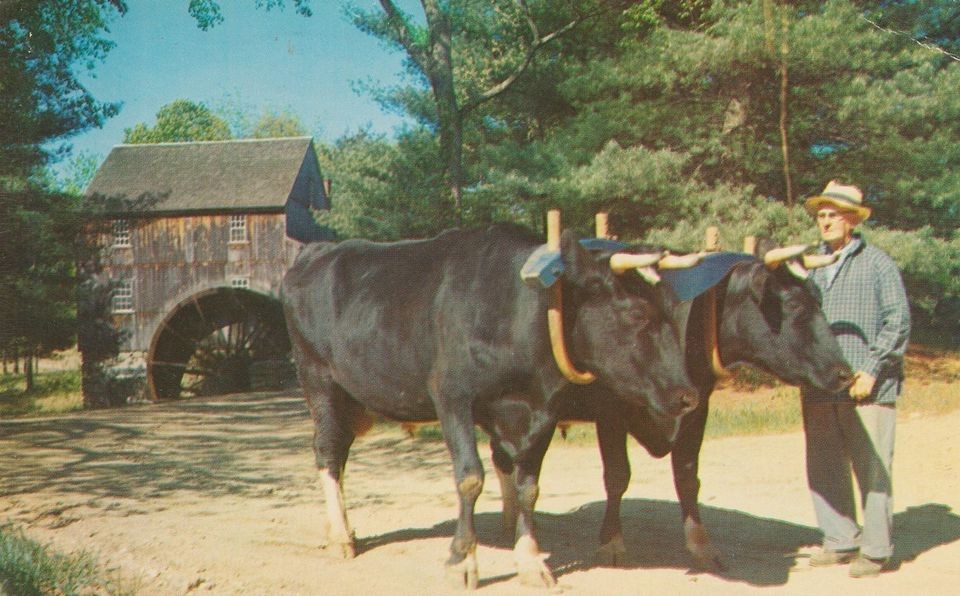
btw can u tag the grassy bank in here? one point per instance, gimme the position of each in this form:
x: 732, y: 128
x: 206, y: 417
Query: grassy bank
x: 54, y: 392
x: 751, y: 404
x: 28, y: 567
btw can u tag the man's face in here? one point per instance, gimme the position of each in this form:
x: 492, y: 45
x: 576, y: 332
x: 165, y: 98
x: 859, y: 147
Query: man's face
x: 836, y: 226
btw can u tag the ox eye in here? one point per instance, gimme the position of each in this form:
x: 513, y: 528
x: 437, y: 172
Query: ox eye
x: 594, y: 287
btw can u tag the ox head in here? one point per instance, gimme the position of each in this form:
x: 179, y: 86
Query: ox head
x: 771, y: 318
x: 621, y: 329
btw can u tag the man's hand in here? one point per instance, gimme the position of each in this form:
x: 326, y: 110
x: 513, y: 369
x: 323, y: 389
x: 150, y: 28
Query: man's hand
x: 862, y: 385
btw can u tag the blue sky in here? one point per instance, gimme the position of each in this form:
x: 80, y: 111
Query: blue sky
x: 255, y: 59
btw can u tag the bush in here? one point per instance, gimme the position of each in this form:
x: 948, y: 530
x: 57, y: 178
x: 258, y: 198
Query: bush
x: 28, y: 568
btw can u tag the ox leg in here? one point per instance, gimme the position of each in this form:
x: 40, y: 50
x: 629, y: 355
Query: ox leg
x: 531, y: 563
x: 335, y: 419
x: 612, y: 437
x: 458, y: 431
x: 504, y: 467
x: 686, y: 466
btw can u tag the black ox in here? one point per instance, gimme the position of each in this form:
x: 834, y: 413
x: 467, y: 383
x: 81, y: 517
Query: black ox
x: 765, y: 315
x: 444, y: 329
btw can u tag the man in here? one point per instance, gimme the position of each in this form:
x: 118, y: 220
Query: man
x: 865, y: 302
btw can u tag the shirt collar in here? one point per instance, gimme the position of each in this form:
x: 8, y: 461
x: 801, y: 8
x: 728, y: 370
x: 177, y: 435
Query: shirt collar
x: 849, y: 248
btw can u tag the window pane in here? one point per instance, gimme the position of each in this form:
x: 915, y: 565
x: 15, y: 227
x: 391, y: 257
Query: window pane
x: 123, y: 297
x: 238, y: 228
x: 121, y: 232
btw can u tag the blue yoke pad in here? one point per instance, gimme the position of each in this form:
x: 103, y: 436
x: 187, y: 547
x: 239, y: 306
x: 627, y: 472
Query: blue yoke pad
x: 544, y: 267
x: 689, y: 283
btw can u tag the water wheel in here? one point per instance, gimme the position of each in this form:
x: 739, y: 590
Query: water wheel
x: 225, y: 340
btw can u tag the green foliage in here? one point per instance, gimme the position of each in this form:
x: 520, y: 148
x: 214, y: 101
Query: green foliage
x: 386, y: 190
x: 862, y: 104
x: 39, y: 244
x: 54, y: 392
x: 246, y: 121
x: 42, y: 44
x: 79, y: 171
x: 207, y: 12
x: 274, y: 124
x: 180, y: 121
x: 30, y: 568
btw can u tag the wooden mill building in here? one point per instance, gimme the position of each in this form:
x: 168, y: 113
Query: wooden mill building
x: 197, y: 262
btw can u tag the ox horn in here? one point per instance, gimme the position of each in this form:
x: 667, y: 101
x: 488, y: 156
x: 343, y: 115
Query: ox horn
x: 775, y: 257
x: 680, y: 261
x: 814, y: 261
x: 797, y: 270
x: 555, y: 314
x: 811, y: 262
x: 624, y: 261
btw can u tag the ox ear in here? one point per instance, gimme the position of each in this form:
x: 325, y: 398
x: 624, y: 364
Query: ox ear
x: 759, y: 277
x: 762, y: 246
x: 579, y: 265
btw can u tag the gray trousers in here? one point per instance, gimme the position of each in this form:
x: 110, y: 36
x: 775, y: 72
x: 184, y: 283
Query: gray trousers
x: 841, y: 436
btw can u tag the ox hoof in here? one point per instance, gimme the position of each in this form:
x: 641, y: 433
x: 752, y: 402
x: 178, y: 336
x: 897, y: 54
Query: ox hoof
x: 343, y: 550
x: 535, y: 572
x: 344, y: 547
x: 537, y: 577
x: 613, y: 553
x: 463, y: 574
x: 532, y: 569
x: 707, y: 557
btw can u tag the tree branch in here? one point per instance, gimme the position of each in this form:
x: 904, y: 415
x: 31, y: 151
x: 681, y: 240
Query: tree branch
x: 536, y: 43
x: 404, y: 36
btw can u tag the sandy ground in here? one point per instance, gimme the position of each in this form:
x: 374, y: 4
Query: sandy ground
x: 221, y: 497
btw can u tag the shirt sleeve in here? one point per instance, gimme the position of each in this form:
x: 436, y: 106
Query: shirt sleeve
x: 886, y: 352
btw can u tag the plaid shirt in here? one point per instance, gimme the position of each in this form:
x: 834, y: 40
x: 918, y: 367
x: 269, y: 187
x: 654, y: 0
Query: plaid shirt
x: 866, y: 305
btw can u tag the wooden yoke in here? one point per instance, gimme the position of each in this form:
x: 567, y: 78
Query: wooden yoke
x: 555, y: 312
x: 603, y: 231
x: 712, y: 244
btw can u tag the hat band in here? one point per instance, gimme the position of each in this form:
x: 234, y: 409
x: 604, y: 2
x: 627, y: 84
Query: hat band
x: 841, y: 197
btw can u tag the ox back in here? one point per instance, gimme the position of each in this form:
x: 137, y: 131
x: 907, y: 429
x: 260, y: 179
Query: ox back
x: 444, y: 329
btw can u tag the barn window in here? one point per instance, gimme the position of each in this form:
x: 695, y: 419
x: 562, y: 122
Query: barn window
x: 240, y: 282
x: 121, y: 233
x: 123, y: 297
x: 238, y: 228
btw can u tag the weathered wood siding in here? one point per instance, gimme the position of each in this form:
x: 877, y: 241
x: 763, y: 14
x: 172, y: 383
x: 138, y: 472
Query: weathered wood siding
x: 171, y: 259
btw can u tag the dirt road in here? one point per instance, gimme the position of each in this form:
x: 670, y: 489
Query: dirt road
x: 221, y: 497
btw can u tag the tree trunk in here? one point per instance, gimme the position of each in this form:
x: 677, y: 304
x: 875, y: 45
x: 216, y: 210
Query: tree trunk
x: 784, y: 139
x: 439, y: 69
x: 28, y: 370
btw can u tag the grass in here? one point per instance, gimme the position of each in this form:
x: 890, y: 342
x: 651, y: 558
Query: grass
x: 737, y: 408
x: 754, y: 403
x: 54, y: 392
x: 28, y: 567
x: 750, y: 403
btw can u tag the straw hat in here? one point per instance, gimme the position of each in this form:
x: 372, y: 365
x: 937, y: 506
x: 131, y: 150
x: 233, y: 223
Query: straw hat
x: 841, y: 196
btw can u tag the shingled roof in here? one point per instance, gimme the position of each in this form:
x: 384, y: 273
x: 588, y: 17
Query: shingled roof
x: 251, y: 174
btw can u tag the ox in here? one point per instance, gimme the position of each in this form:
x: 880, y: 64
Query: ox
x: 761, y: 313
x: 444, y: 329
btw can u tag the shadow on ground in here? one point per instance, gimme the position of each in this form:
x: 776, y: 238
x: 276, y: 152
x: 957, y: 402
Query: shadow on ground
x: 151, y: 450
x: 757, y: 551
x: 223, y: 446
